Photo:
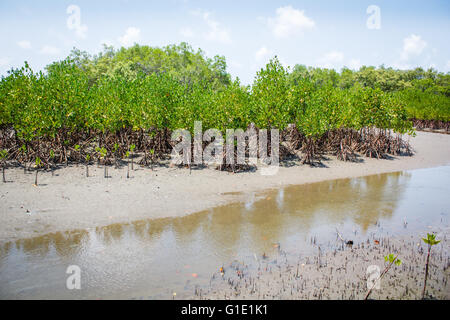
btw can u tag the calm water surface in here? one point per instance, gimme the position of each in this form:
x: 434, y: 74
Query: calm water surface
x: 154, y: 258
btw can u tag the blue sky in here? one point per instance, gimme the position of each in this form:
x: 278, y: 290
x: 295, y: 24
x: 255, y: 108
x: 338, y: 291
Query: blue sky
x: 248, y: 33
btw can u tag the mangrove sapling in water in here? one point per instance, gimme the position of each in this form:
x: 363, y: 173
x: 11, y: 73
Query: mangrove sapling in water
x: 430, y: 241
x: 390, y: 260
x: 3, y: 157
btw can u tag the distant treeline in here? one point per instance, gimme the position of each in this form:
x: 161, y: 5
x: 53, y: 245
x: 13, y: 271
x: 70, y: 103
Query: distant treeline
x: 425, y: 93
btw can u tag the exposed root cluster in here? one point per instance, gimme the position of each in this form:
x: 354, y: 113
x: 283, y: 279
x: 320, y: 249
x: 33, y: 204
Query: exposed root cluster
x: 421, y: 124
x: 72, y: 146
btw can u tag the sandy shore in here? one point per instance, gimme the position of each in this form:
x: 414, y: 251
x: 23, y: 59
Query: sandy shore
x: 339, y: 274
x: 68, y: 200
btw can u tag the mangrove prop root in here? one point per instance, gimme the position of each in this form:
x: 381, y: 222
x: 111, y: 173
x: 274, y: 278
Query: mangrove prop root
x: 72, y: 147
x: 421, y: 124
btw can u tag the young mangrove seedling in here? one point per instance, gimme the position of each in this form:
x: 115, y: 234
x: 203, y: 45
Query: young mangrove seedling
x: 38, y: 164
x: 430, y: 240
x: 390, y: 260
x: 3, y: 157
x: 103, y: 153
x: 52, y: 157
x: 132, y: 147
x: 152, y: 152
x: 77, y: 149
x: 115, y: 149
x: 66, y: 158
x: 88, y: 158
x: 127, y: 155
x: 97, y: 152
x: 23, y: 150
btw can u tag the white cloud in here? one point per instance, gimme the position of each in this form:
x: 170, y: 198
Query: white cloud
x: 215, y: 31
x: 24, y: 44
x: 81, y: 31
x: 132, y: 35
x: 412, y: 46
x: 289, y: 21
x: 331, y: 59
x: 354, y: 64
x: 50, y: 50
x: 186, y: 32
x: 262, y: 54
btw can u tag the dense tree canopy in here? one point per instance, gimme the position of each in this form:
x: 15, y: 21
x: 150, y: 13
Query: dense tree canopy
x: 152, y: 91
x: 179, y: 61
x: 425, y: 93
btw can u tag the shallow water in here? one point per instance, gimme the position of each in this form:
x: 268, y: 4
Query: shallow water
x: 154, y: 258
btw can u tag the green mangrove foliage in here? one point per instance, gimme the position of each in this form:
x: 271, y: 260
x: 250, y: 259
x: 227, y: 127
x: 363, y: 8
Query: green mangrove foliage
x: 431, y: 241
x: 179, y: 61
x: 425, y: 93
x: 127, y: 101
x: 389, y: 260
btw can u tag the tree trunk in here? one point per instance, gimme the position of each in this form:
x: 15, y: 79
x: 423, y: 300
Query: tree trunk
x: 426, y: 272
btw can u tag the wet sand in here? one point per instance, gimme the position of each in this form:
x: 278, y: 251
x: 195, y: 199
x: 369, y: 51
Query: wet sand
x: 339, y: 274
x: 68, y: 200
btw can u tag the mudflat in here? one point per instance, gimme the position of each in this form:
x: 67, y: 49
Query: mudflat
x: 338, y: 274
x: 68, y: 200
